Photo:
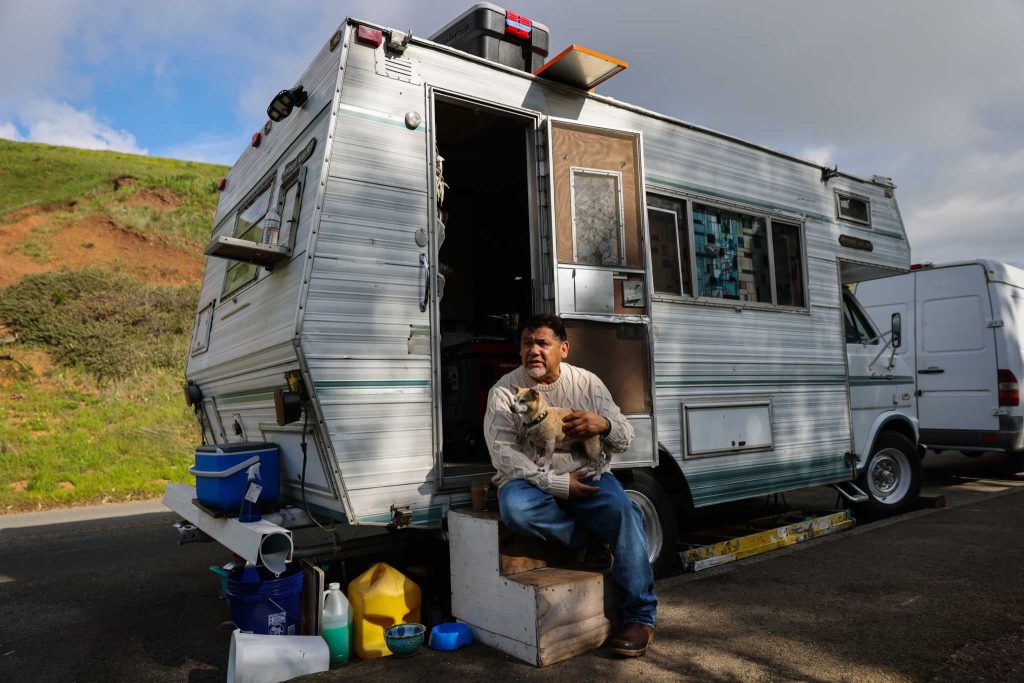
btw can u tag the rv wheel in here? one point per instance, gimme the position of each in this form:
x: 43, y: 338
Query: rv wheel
x: 658, y: 516
x: 891, y: 477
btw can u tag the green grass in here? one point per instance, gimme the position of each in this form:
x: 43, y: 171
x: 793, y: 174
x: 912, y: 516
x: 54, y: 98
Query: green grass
x: 65, y: 440
x: 109, y: 325
x: 105, y: 420
x: 41, y: 175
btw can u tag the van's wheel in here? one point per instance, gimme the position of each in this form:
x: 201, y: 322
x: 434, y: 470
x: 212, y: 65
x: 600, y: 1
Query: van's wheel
x: 891, y: 477
x: 658, y: 516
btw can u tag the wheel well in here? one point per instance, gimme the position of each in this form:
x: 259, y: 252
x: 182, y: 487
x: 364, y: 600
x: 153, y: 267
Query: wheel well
x: 900, y: 427
x: 671, y: 478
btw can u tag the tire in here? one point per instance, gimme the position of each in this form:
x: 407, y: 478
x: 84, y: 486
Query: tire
x: 891, y: 477
x: 658, y: 516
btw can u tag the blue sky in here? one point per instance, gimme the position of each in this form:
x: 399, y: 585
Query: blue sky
x: 928, y: 92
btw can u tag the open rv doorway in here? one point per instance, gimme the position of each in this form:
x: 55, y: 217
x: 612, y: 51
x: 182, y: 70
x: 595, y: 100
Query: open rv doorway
x: 485, y: 262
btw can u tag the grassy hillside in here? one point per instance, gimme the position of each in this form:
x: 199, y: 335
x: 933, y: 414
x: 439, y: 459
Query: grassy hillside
x: 101, y: 263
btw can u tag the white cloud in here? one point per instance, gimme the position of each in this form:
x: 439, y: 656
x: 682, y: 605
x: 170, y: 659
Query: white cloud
x: 58, y: 123
x: 211, y: 149
x: 8, y: 131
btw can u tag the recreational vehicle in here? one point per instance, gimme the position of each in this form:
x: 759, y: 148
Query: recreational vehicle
x: 963, y: 342
x: 407, y: 203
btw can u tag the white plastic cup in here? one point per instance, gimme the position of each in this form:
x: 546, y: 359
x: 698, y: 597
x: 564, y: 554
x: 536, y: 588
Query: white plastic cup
x: 258, y: 658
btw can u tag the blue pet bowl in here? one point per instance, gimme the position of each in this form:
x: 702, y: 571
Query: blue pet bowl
x: 404, y: 639
x: 450, y: 636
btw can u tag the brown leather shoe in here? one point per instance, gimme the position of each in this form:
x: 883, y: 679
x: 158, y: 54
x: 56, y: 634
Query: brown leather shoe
x: 632, y: 640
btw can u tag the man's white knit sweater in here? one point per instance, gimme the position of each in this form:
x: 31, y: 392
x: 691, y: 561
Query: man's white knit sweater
x: 511, y: 453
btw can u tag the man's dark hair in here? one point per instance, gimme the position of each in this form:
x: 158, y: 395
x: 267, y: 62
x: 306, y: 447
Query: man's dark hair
x: 552, y: 322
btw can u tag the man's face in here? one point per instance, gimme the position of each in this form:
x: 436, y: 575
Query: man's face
x: 542, y: 352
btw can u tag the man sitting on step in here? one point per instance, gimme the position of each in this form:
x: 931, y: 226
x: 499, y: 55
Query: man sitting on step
x: 536, y: 501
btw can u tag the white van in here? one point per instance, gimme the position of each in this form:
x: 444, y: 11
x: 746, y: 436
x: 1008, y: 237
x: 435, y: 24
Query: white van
x: 963, y: 330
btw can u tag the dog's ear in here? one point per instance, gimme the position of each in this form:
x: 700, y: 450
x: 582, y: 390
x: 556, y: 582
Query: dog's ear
x: 534, y: 394
x: 516, y: 389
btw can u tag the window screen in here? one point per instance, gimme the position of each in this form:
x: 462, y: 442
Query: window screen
x: 851, y: 208
x: 670, y: 245
x: 732, y: 255
x: 789, y: 263
x: 597, y: 217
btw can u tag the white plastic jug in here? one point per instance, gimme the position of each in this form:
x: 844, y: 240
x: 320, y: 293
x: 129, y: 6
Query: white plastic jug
x: 337, y: 620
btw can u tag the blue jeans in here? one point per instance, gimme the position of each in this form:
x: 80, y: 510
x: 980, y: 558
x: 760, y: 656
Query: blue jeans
x: 610, y: 514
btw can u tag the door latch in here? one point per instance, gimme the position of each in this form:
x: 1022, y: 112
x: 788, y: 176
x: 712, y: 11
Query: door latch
x: 401, y: 516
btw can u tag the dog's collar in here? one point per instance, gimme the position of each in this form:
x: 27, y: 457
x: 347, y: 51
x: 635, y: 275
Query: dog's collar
x: 533, y: 423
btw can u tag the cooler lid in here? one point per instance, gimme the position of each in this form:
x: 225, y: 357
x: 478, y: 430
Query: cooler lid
x: 239, y: 447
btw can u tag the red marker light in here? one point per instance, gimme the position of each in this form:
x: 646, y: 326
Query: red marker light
x: 257, y: 137
x: 222, y: 184
x: 369, y: 36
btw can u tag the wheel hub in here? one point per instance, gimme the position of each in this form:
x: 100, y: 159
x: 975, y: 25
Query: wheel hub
x: 885, y: 474
x: 652, y: 524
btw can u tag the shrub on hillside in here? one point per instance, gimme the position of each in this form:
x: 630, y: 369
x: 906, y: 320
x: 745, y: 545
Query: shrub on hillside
x: 106, y: 323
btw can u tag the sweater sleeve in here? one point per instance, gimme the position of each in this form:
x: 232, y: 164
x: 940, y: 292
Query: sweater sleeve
x: 621, y: 436
x: 506, y: 454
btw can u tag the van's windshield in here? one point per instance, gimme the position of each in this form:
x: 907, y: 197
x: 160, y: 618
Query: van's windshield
x: 859, y: 329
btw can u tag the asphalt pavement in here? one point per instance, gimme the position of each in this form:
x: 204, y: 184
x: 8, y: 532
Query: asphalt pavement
x: 936, y: 594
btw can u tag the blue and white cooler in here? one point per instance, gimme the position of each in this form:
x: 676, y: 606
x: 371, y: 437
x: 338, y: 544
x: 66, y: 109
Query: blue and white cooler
x: 222, y: 473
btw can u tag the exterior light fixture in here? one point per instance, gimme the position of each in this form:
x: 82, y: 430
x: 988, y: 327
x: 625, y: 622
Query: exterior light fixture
x: 283, y: 103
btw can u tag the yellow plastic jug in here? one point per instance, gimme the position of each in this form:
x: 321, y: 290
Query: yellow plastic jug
x: 381, y: 597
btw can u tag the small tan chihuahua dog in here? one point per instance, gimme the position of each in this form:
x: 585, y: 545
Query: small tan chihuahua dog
x: 544, y: 429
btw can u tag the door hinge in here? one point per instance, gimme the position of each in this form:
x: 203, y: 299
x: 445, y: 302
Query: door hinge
x: 994, y: 323
x: 401, y: 516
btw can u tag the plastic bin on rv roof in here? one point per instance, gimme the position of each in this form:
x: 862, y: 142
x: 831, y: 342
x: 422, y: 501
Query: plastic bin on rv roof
x: 502, y: 36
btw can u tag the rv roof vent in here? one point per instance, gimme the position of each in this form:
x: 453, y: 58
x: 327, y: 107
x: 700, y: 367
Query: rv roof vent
x: 500, y: 35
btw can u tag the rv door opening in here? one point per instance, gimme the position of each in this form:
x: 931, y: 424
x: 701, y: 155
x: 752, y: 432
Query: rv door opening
x: 485, y: 256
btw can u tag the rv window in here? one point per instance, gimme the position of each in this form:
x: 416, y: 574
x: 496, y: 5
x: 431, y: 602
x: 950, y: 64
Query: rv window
x: 247, y: 227
x: 732, y: 254
x: 788, y: 261
x: 670, y: 245
x: 853, y: 208
x: 598, y: 237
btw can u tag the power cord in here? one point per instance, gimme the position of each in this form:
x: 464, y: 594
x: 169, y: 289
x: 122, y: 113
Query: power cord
x: 333, y: 529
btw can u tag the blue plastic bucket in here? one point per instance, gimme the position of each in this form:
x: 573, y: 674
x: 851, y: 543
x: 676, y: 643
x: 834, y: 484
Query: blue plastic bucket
x: 261, y: 603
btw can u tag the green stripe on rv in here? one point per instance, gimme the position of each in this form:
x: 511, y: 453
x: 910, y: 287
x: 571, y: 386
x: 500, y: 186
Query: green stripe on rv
x: 379, y: 117
x: 871, y: 381
x: 245, y: 397
x: 765, y: 205
x: 833, y: 380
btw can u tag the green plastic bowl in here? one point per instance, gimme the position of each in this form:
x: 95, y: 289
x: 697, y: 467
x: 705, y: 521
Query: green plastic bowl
x: 404, y: 639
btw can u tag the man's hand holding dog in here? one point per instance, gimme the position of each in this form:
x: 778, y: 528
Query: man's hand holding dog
x: 584, y: 424
x: 577, y: 489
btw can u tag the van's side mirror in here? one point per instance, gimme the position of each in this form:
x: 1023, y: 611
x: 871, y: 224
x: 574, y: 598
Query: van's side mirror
x: 897, y: 331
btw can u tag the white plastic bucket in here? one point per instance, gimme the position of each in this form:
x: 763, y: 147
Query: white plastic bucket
x: 257, y: 658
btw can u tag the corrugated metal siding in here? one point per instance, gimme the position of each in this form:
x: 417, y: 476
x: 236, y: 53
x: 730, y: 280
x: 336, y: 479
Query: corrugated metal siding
x: 365, y: 290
